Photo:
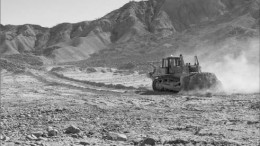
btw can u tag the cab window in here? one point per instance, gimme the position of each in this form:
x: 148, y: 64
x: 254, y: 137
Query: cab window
x: 175, y: 62
x: 178, y: 62
x: 165, y: 63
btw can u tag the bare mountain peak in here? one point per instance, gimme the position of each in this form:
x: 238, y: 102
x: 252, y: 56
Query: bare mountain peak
x: 164, y: 17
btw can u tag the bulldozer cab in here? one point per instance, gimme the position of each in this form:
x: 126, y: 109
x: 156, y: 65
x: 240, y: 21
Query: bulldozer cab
x: 172, y: 65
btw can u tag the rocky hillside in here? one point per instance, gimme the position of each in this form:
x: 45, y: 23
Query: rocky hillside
x: 146, y: 19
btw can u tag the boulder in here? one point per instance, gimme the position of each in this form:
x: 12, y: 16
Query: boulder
x: 148, y: 141
x: 52, y: 132
x: 72, y: 130
x: 38, y: 133
x: 31, y: 137
x: 84, y: 142
x: 116, y: 136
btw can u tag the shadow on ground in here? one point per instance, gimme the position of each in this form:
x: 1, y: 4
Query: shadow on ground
x: 150, y: 92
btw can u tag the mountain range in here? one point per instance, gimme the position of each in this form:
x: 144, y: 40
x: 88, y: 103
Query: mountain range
x: 152, y: 28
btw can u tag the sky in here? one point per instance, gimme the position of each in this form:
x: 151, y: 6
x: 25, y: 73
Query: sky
x: 49, y: 13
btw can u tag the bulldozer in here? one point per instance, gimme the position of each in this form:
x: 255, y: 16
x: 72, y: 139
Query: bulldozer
x: 174, y: 75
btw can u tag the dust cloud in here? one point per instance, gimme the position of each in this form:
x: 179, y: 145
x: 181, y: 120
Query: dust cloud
x: 234, y: 62
x: 236, y: 65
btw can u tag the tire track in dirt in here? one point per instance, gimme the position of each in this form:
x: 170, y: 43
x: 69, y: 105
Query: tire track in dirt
x: 95, y: 84
x: 54, y: 80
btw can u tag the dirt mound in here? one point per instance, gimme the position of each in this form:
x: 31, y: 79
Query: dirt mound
x: 19, y: 62
x: 25, y: 59
x: 9, y: 66
x: 200, y: 82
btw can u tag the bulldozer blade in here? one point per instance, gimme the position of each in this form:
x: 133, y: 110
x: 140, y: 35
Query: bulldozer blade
x: 201, y: 81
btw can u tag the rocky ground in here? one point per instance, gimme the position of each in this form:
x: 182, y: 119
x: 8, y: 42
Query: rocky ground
x: 39, y: 107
